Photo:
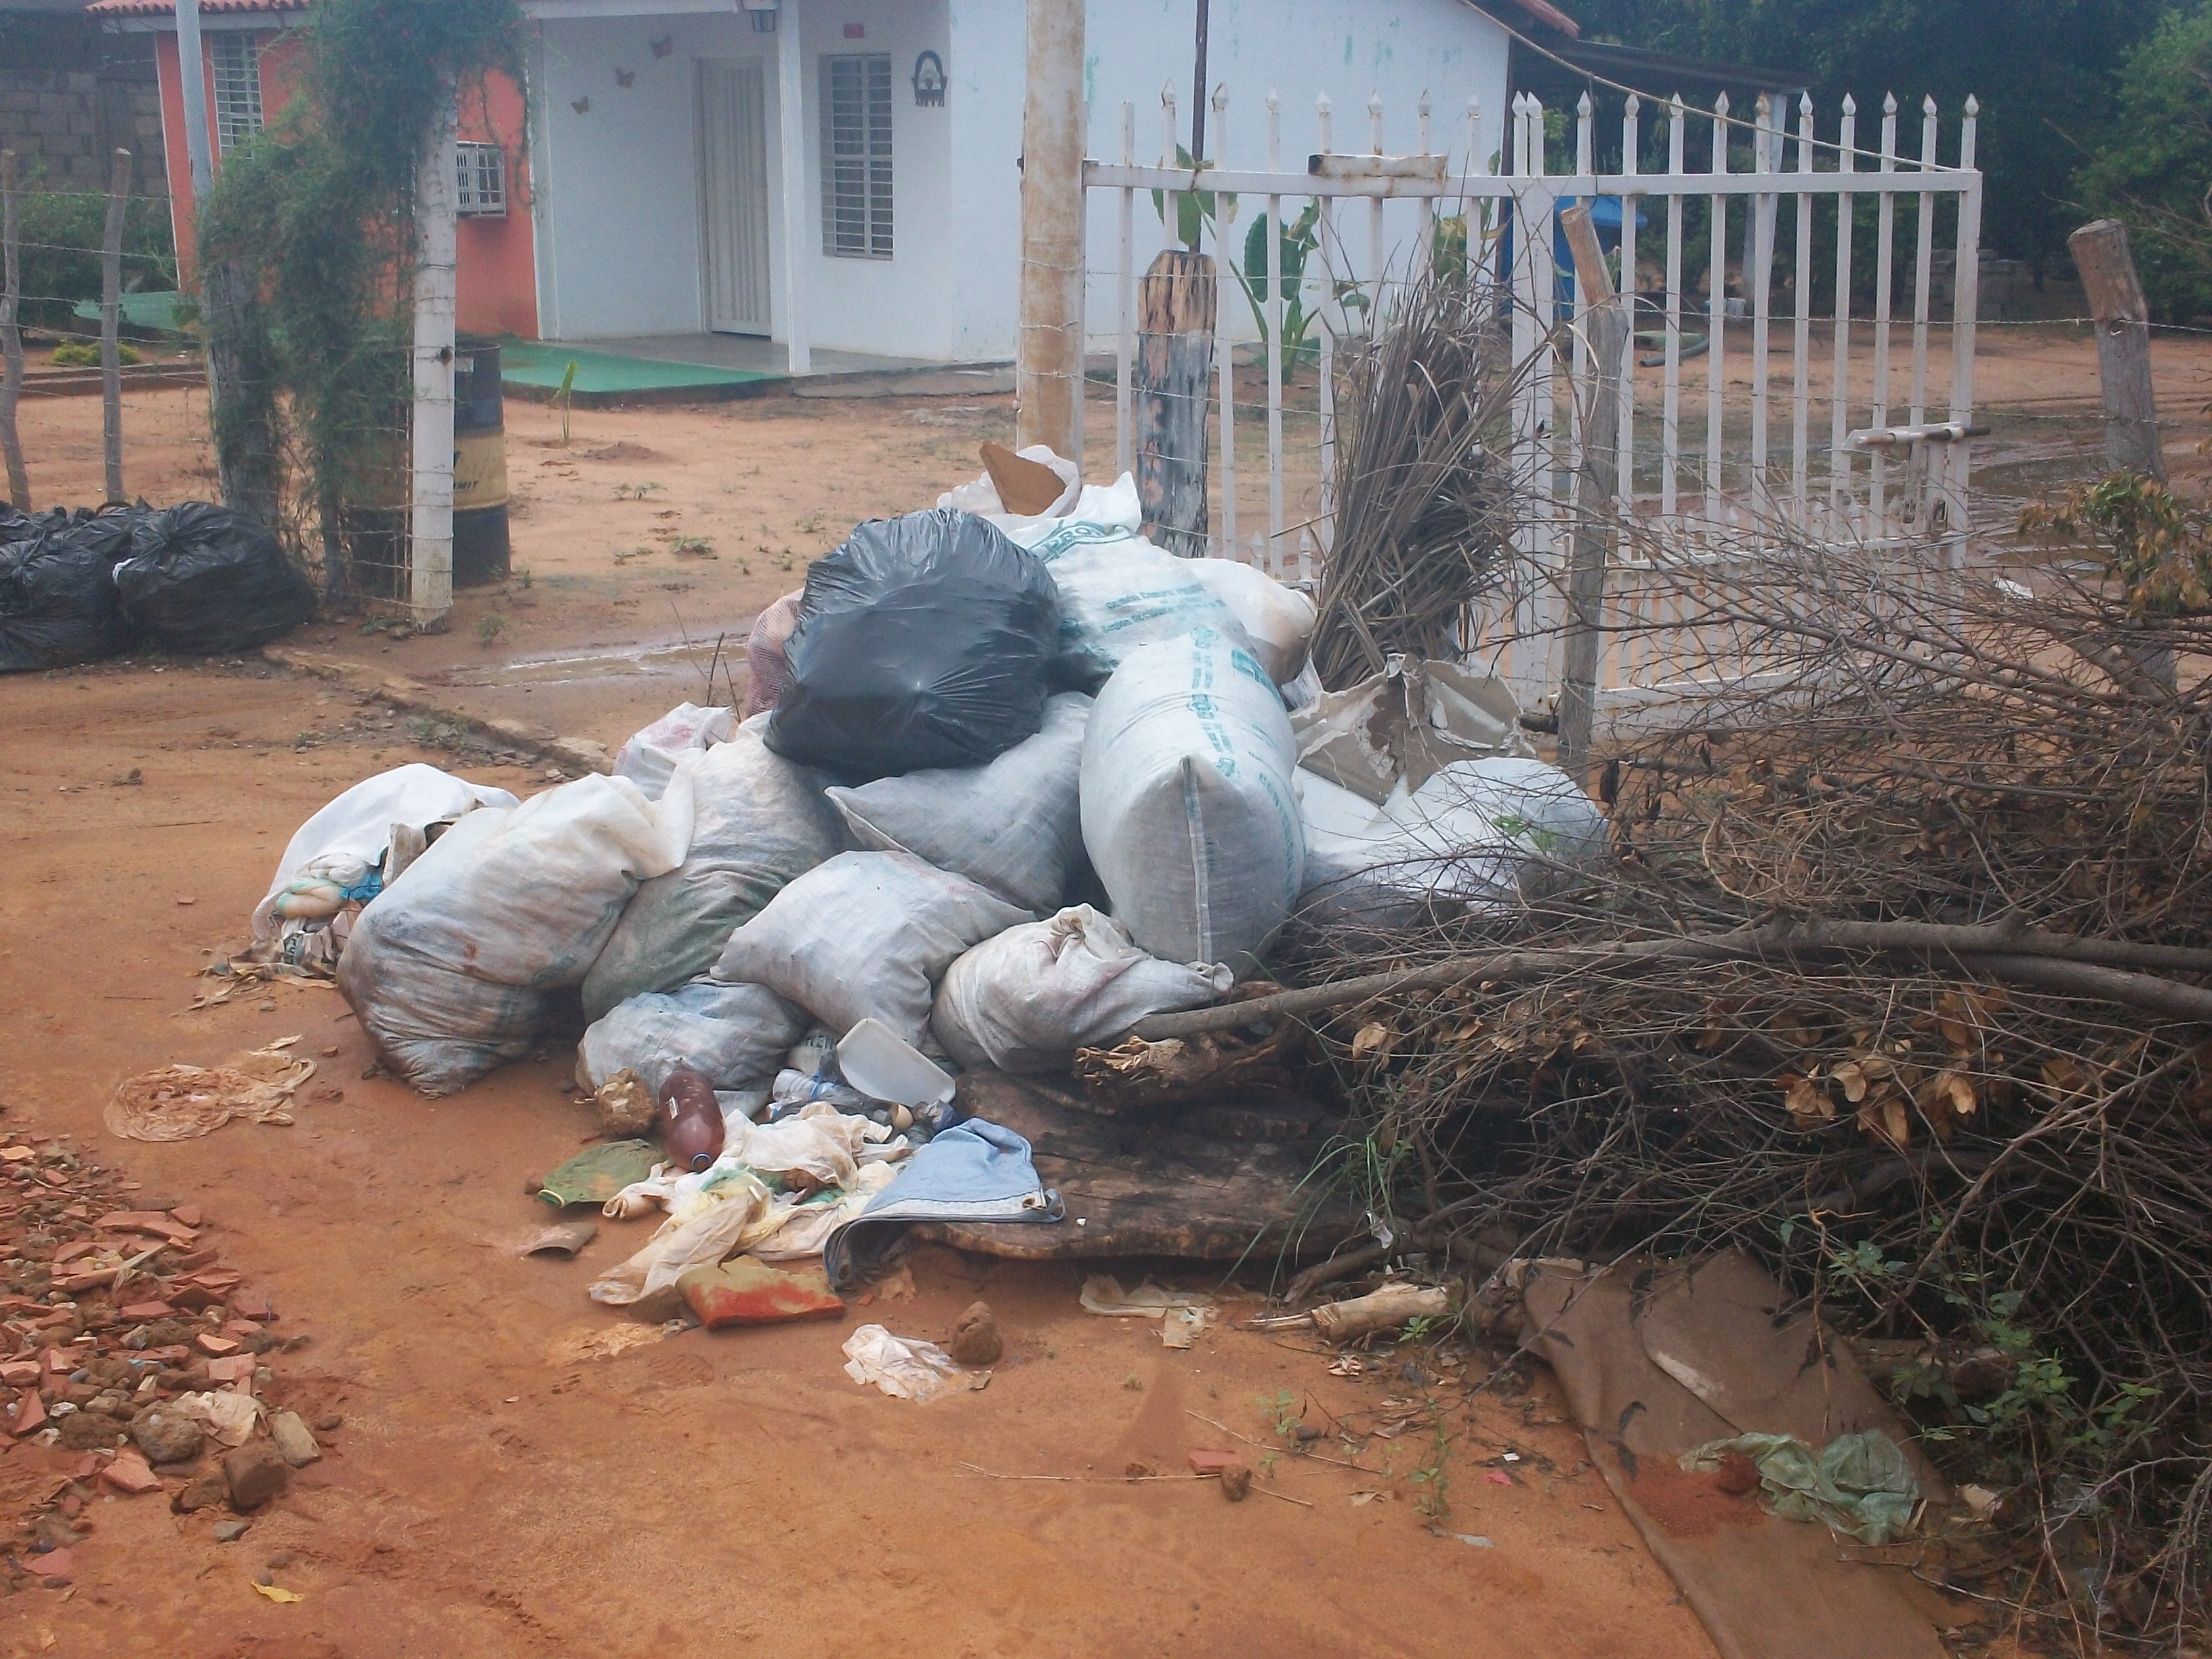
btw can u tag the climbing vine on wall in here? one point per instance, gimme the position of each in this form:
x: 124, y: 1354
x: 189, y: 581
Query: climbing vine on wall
x: 306, y: 248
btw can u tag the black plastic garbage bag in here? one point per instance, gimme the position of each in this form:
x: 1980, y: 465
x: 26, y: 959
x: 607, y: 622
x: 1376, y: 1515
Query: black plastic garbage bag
x: 201, y: 578
x: 922, y: 642
x: 58, y: 602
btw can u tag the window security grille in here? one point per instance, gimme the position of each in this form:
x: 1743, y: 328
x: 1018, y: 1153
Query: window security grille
x: 481, y: 180
x: 856, y: 155
x: 237, y: 86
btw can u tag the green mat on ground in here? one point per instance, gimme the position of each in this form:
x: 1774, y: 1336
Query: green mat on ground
x: 543, y: 363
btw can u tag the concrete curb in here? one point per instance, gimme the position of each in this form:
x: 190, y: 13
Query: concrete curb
x: 579, y: 754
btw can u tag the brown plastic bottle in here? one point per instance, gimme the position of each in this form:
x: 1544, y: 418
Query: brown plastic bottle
x: 690, y: 1120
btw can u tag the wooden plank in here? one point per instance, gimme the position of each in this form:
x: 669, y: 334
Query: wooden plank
x: 1590, y: 548
x: 111, y: 317
x: 11, y: 337
x: 2108, y: 265
x: 1157, y: 1187
x: 1177, y: 305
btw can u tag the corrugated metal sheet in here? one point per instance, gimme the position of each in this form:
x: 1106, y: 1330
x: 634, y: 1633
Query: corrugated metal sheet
x: 167, y: 8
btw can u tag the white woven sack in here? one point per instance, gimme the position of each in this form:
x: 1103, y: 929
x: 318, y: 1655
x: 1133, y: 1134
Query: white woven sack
x: 1014, y: 825
x: 758, y: 821
x: 515, y: 901
x: 1188, y: 811
x: 1490, y: 835
x: 867, y: 935
x: 733, y: 1035
x: 1278, y: 621
x: 1117, y: 591
x: 648, y: 758
x: 1026, y: 1000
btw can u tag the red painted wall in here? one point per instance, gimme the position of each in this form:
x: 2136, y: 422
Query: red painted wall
x: 498, y: 274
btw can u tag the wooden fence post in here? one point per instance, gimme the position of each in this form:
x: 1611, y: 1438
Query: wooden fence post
x: 11, y: 337
x: 1591, y: 545
x: 111, y: 319
x: 2116, y: 300
x: 1176, y: 310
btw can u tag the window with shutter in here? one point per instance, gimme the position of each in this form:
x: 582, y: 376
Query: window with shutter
x: 856, y: 155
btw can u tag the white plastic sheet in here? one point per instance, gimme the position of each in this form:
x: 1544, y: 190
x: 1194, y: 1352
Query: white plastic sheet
x: 648, y: 758
x: 733, y: 1035
x: 1489, y: 834
x: 358, y: 823
x: 1278, y: 621
x: 905, y: 1367
x: 1117, y: 591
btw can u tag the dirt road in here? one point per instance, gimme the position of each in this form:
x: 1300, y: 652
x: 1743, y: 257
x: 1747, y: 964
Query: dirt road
x: 493, y: 1492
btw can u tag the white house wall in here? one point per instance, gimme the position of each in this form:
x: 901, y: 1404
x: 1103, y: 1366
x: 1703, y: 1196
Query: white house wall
x: 1348, y: 49
x: 618, y: 196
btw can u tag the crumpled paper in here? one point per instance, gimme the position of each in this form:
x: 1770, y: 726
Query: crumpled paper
x: 1182, y: 1314
x: 180, y: 1103
x: 905, y: 1367
x: 227, y: 1417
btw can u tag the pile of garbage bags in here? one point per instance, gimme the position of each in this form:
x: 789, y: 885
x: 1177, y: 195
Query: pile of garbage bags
x: 1022, y: 782
x: 79, y: 584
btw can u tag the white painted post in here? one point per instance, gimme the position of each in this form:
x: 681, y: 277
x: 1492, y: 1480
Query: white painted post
x: 1125, y: 288
x: 791, y: 133
x: 1275, y: 554
x: 1670, y: 407
x: 1839, y: 378
x: 1757, y: 276
x: 1328, y: 316
x: 1631, y: 164
x: 1048, y: 352
x: 1375, y: 271
x: 1965, y: 303
x: 430, y: 588
x: 1224, y: 253
x: 1923, y: 265
x: 1884, y: 261
x: 1716, y: 311
x: 1801, y: 390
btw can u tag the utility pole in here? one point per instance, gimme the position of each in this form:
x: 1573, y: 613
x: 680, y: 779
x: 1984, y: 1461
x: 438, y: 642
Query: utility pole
x: 1048, y: 349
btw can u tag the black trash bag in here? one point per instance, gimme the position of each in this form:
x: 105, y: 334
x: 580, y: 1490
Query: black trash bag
x: 201, y: 578
x: 922, y: 642
x: 57, y: 603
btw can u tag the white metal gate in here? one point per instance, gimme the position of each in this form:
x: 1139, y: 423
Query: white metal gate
x: 1773, y: 409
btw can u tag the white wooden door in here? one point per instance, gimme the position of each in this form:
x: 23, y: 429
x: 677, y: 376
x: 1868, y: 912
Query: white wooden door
x: 733, y: 185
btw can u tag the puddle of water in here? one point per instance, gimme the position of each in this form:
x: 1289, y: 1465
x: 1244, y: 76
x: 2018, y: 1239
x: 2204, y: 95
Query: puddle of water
x: 656, y: 661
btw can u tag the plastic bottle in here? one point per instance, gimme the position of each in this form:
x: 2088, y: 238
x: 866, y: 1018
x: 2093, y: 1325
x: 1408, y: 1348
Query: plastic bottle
x: 691, y: 1119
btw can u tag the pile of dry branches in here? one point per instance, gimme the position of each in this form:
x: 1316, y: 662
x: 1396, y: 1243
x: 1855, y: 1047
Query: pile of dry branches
x: 1947, y: 1071
x: 1422, y: 502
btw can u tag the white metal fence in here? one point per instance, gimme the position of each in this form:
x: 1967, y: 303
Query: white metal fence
x: 1761, y: 390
